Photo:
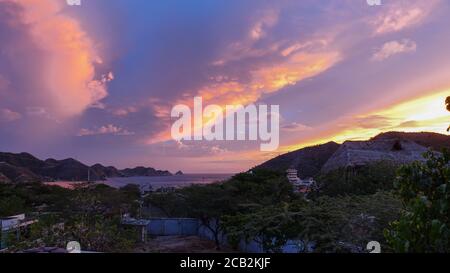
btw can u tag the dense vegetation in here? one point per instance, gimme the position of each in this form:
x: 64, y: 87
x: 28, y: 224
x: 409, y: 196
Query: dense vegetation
x: 358, y: 181
x: 262, y: 206
x: 405, y: 210
x: 424, y: 189
x: 243, y: 193
x: 89, y: 215
x: 330, y: 224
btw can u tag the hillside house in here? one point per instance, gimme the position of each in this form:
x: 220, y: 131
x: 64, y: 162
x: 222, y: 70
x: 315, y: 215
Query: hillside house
x: 13, y: 224
x: 300, y: 185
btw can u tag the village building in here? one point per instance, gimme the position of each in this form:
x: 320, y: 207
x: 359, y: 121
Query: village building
x: 13, y: 224
x: 303, y: 186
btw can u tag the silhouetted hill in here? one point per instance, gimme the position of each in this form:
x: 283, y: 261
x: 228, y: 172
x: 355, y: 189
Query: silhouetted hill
x: 428, y: 140
x: 308, y: 161
x: 142, y: 171
x: 16, y: 174
x: 105, y: 172
x: 24, y: 167
x: 400, y: 147
x: 24, y: 160
x: 67, y: 169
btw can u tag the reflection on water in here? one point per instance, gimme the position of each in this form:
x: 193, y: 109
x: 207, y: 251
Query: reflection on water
x: 176, y: 181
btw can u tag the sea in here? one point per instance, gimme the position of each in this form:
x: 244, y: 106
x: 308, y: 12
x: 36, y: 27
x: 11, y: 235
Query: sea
x: 156, y: 182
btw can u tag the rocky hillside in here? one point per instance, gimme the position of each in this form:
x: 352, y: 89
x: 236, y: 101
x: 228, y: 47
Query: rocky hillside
x: 11, y: 173
x: 24, y: 167
x: 103, y: 171
x: 399, y: 147
x: 361, y: 153
x: 429, y: 140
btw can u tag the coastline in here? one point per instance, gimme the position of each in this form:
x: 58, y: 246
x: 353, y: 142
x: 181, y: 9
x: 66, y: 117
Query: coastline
x: 156, y: 182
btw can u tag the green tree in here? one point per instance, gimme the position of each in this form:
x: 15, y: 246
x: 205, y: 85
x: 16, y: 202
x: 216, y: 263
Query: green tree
x: 87, y: 214
x: 425, y: 192
x: 210, y: 204
x: 11, y: 205
x: 324, y: 222
x: 244, y: 193
x: 377, y: 176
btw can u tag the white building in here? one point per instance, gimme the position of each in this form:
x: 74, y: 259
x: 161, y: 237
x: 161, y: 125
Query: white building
x: 292, y: 176
x: 300, y: 185
x: 12, y: 224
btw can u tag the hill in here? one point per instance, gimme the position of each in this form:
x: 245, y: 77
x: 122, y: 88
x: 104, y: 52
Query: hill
x: 308, y: 161
x: 143, y: 171
x: 24, y: 167
x: 429, y: 140
x: 399, y: 147
x: 361, y: 153
x: 16, y: 174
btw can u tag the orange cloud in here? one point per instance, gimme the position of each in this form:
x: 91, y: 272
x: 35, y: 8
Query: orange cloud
x: 299, y: 60
x: 71, y: 56
x: 264, y: 80
x: 294, y: 63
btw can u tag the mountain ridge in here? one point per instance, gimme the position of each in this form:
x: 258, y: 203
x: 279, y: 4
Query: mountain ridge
x: 402, y: 147
x: 309, y: 159
x: 24, y: 167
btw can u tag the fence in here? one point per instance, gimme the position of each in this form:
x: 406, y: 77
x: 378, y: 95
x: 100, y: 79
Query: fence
x: 255, y: 246
x: 193, y: 227
x: 173, y: 226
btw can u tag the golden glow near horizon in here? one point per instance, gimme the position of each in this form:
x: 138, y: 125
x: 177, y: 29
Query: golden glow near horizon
x: 427, y: 113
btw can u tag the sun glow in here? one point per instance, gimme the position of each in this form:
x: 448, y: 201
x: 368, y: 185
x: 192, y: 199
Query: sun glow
x: 426, y: 113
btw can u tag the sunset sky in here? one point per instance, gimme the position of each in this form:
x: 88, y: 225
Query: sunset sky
x: 97, y: 82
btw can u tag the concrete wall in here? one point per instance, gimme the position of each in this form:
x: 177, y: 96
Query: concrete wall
x: 173, y: 226
x: 193, y: 227
x: 254, y: 246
